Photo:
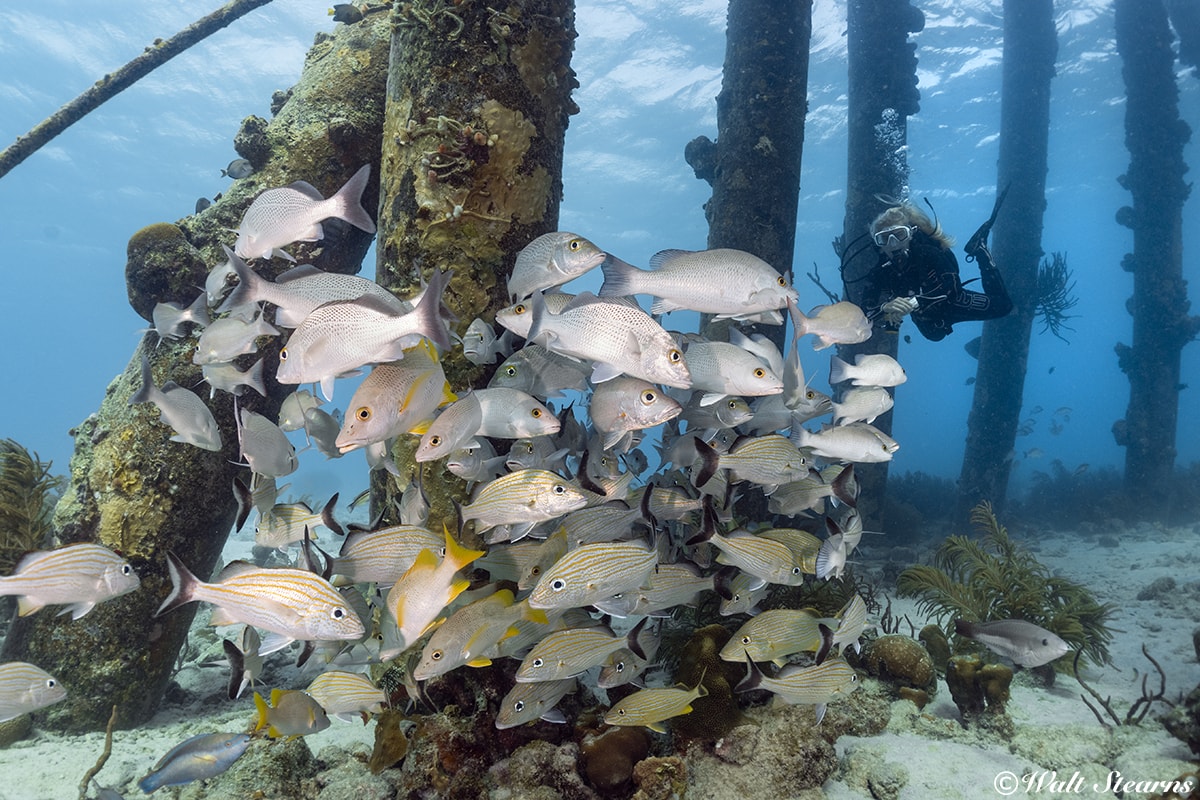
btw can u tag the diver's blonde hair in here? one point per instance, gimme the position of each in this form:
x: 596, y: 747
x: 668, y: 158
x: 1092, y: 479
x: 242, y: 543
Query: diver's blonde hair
x: 905, y: 213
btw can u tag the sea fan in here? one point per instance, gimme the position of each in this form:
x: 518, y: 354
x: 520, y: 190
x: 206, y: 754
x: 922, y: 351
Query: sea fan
x: 27, y: 495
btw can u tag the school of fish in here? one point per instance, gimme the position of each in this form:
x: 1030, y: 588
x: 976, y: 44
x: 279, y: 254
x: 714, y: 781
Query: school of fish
x: 599, y: 514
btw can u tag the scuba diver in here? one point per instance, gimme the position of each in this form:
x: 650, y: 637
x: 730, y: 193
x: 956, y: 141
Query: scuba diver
x: 917, y: 274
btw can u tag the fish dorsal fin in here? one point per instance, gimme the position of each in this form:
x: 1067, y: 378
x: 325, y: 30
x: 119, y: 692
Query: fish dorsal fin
x: 299, y: 271
x: 307, y: 189
x: 662, y: 257
x: 234, y: 569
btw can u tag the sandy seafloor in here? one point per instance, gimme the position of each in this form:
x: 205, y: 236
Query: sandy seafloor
x: 921, y: 756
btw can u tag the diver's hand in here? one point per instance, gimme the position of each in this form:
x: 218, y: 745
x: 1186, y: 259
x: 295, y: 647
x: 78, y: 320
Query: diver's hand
x: 898, y: 308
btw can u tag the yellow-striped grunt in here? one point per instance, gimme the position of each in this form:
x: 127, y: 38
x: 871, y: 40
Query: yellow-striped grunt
x: 25, y: 688
x: 526, y: 702
x: 347, y: 695
x: 797, y: 685
x: 293, y: 603
x: 383, y: 556
x: 592, y: 573
x: 522, y: 498
x: 652, y: 707
x: 566, y: 653
x: 775, y: 634
x: 77, y: 575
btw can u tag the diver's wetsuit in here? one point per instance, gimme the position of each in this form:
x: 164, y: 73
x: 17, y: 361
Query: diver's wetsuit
x: 929, y: 272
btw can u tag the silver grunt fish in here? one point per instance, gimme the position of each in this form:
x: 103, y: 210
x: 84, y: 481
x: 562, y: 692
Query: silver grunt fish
x: 550, y: 260
x: 723, y: 282
x: 180, y: 408
x: 294, y: 213
x: 1017, y: 640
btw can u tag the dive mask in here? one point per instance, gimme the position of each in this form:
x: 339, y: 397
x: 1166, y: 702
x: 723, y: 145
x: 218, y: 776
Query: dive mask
x: 890, y: 240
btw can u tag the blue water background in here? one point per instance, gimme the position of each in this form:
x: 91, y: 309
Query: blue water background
x: 649, y: 73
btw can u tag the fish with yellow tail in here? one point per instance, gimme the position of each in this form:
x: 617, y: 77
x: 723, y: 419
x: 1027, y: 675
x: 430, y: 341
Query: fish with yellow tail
x: 78, y: 576
x: 431, y: 584
x: 652, y: 707
x: 818, y: 685
x: 470, y: 631
x: 293, y: 603
x: 290, y: 713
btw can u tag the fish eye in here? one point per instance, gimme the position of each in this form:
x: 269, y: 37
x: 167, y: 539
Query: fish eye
x: 745, y: 640
x: 559, y: 488
x: 674, y: 356
x: 558, y: 584
x: 620, y: 667
x: 436, y: 441
x: 620, y: 712
x: 648, y: 397
x: 732, y: 404
x: 854, y: 678
x: 535, y: 570
x: 1045, y: 642
x: 795, y: 570
x: 283, y: 354
x: 781, y: 281
x: 519, y: 706
x: 436, y: 655
x: 760, y: 373
x: 810, y: 394
x: 519, y: 308
x: 537, y: 662
x: 510, y: 371
x: 51, y: 683
x: 536, y: 414
x: 128, y: 570
x: 574, y: 244
x: 363, y: 414
x: 339, y: 613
